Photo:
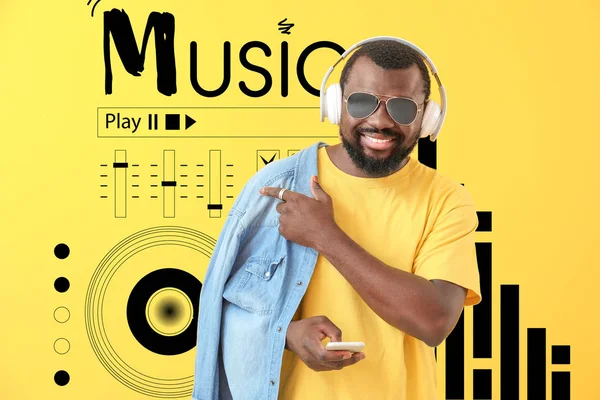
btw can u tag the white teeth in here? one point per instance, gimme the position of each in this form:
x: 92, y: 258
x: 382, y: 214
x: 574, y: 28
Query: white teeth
x: 377, y: 140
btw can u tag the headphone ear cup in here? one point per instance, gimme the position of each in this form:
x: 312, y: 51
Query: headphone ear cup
x: 430, y: 118
x: 333, y: 103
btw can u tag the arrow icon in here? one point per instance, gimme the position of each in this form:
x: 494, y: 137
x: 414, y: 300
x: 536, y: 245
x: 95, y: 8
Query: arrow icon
x: 189, y: 121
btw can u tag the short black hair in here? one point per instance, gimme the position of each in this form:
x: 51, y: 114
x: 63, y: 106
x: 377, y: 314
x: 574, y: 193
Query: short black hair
x: 388, y: 54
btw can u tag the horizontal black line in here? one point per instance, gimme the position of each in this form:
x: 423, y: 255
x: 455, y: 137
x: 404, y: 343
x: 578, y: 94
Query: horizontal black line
x: 103, y: 185
x: 153, y: 185
x: 230, y: 165
x: 220, y: 137
x: 120, y: 165
x: 199, y: 185
x: 214, y: 107
x: 103, y: 176
x: 230, y: 197
x: 168, y: 183
x: 104, y: 165
x: 153, y: 176
x: 199, y: 176
x: 154, y: 197
x: 199, y: 197
x: 135, y: 185
x: 230, y: 176
x: 135, y: 165
x: 199, y: 165
x: 154, y: 165
x: 103, y: 197
x: 215, y: 206
x: 183, y: 165
x: 135, y: 176
x: 136, y: 197
x: 229, y: 185
x: 183, y: 197
x: 184, y: 185
x: 183, y: 176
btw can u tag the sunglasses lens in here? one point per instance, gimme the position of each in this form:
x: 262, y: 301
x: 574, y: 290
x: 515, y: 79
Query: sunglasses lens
x: 403, y: 111
x: 361, y: 105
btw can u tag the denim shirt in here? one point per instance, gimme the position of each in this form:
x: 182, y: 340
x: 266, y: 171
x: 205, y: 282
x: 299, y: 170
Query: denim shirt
x: 253, y: 286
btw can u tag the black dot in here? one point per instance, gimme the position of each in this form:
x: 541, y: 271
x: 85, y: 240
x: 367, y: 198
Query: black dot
x: 61, y: 284
x: 61, y: 378
x: 61, y: 251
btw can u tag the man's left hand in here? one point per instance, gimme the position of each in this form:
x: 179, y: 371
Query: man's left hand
x: 304, y: 220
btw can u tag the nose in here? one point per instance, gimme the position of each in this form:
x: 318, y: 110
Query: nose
x: 381, y: 119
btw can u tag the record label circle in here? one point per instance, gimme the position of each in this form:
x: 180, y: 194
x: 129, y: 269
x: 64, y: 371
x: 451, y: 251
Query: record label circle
x: 170, y: 311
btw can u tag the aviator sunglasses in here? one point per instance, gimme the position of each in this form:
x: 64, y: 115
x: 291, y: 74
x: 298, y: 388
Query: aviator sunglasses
x: 403, y: 110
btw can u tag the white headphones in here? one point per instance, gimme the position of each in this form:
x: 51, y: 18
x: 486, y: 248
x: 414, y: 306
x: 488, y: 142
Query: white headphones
x: 433, y: 117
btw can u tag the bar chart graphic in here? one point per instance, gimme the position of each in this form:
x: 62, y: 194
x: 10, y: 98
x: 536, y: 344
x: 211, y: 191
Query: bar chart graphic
x: 510, y: 340
x: 509, y: 331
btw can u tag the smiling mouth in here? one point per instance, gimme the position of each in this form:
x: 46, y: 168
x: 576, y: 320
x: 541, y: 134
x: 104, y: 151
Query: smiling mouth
x: 374, y: 140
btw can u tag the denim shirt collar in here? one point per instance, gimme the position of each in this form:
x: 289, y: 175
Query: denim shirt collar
x: 306, y: 166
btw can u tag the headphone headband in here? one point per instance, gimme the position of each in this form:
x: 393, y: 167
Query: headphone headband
x: 426, y: 59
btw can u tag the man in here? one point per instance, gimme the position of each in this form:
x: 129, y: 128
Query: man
x: 389, y: 258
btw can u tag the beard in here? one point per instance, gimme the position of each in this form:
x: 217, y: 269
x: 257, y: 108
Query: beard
x: 376, y: 167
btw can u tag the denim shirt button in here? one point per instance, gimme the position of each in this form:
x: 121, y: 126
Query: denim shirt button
x: 279, y: 329
x: 272, y: 383
x: 299, y: 283
x: 268, y: 274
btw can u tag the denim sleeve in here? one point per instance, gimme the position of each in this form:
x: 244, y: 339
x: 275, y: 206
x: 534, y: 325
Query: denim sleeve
x: 206, y: 376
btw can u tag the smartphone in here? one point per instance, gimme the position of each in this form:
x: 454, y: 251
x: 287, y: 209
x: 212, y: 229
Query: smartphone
x: 354, y: 347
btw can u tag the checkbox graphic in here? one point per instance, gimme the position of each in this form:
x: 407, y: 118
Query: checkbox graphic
x: 264, y: 157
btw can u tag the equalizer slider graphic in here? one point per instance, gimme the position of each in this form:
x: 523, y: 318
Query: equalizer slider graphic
x: 179, y: 180
x: 214, y: 185
x: 168, y: 183
x: 120, y: 166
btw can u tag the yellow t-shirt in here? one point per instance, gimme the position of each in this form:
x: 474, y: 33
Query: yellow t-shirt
x: 415, y: 220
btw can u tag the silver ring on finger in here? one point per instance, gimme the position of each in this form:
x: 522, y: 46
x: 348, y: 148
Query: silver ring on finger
x: 280, y: 195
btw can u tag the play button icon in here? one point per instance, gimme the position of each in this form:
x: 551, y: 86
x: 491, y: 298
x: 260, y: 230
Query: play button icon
x: 189, y: 121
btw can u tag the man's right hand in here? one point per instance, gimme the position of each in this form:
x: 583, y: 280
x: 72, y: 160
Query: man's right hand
x: 304, y: 337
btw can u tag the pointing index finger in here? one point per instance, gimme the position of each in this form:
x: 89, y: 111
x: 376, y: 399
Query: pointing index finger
x: 274, y: 192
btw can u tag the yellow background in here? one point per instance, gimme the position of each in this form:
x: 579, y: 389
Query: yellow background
x: 520, y: 134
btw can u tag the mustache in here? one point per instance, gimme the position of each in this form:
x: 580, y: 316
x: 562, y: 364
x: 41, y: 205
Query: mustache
x: 384, y: 132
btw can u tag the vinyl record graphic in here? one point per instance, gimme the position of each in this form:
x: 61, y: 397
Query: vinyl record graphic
x: 141, y: 309
x: 162, y: 311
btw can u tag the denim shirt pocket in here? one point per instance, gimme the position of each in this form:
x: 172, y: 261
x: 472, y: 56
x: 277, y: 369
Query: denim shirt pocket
x: 257, y: 285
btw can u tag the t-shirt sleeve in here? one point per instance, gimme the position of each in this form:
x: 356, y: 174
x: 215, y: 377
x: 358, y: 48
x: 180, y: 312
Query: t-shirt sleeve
x: 448, y: 251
